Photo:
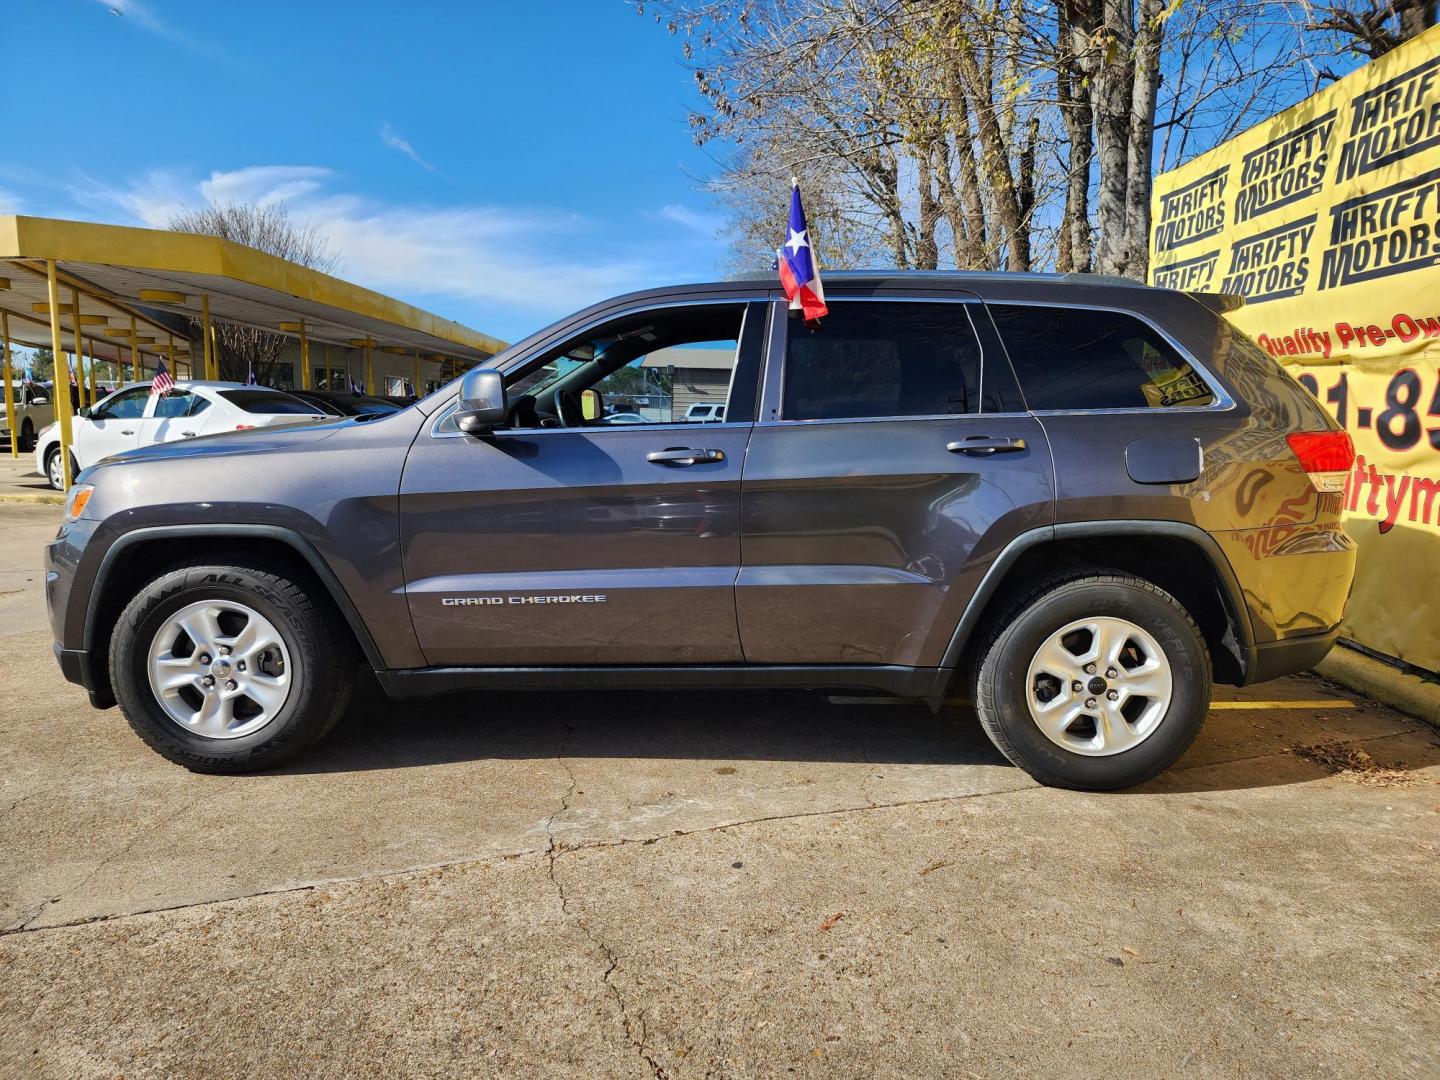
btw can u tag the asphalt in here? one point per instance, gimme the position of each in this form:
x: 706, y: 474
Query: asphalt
x: 707, y: 884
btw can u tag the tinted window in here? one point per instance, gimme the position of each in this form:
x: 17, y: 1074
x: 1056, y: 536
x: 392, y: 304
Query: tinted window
x: 126, y: 405
x: 269, y: 402
x: 1071, y: 358
x: 882, y: 359
x: 179, y: 403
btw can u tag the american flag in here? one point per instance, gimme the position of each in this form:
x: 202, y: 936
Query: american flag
x: 250, y: 379
x: 162, y: 383
x: 795, y: 259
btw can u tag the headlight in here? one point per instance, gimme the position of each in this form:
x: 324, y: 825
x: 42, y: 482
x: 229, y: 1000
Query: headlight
x: 77, y: 500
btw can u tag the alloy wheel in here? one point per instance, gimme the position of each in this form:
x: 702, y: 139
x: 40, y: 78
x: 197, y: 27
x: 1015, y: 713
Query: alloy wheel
x: 1099, y: 686
x: 220, y: 669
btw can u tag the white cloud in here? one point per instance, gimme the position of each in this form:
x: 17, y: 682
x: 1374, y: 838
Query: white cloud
x: 137, y: 14
x: 263, y: 185
x: 707, y: 225
x: 10, y: 202
x: 393, y: 139
x: 529, y: 259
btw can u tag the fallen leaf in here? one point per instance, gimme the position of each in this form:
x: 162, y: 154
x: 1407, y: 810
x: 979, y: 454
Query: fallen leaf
x: 937, y: 864
x: 829, y: 924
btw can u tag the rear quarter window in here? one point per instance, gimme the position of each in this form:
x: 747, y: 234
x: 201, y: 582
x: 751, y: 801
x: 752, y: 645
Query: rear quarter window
x: 1078, y: 358
x: 270, y: 403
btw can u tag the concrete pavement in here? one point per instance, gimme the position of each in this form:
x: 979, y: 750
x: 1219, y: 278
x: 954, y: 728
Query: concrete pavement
x: 707, y: 884
x: 20, y: 483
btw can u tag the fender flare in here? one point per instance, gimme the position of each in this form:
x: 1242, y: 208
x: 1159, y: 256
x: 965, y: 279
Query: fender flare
x: 289, y: 537
x: 1231, y: 594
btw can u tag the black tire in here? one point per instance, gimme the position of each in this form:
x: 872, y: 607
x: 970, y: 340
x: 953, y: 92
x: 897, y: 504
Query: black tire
x: 322, y: 666
x: 1012, y: 641
x: 26, y: 443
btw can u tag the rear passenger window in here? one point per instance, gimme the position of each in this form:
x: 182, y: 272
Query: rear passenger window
x: 883, y: 359
x: 1073, y: 358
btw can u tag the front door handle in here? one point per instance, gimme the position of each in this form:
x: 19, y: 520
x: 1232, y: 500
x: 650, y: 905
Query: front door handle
x: 682, y: 456
x: 124, y: 431
x: 983, y: 444
x: 188, y: 434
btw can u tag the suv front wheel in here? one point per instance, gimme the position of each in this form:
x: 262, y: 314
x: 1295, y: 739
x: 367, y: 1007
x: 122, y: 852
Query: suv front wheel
x: 229, y: 668
x: 1096, y: 683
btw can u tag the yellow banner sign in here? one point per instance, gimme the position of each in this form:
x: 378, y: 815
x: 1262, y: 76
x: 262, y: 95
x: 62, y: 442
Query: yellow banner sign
x: 1326, y: 218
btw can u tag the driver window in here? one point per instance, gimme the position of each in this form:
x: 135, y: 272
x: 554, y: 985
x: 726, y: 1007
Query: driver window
x: 668, y: 366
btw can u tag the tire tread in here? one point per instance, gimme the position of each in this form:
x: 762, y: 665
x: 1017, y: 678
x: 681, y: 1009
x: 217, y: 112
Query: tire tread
x: 334, y: 647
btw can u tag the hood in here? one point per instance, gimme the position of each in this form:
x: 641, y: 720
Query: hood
x: 229, y: 443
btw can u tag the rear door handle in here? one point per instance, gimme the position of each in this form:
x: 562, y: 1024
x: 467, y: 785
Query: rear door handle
x: 983, y: 444
x: 682, y: 456
x: 188, y: 434
x: 123, y: 431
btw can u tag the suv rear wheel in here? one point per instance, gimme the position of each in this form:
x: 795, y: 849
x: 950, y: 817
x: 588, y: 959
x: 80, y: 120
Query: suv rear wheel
x: 229, y: 668
x: 1096, y: 683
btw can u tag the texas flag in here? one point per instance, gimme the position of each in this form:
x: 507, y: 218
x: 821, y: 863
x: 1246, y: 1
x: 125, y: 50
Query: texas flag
x: 799, y: 273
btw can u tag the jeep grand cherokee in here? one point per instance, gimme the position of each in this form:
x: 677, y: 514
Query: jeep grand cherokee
x: 1073, y: 501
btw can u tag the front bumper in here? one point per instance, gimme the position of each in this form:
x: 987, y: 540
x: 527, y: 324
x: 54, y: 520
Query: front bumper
x: 68, y: 576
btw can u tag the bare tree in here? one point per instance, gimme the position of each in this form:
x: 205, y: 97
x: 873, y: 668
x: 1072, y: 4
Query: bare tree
x: 240, y: 348
x: 980, y: 134
x: 1371, y: 28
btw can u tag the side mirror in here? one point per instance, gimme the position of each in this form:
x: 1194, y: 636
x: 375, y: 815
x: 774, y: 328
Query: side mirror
x: 482, y: 402
x: 85, y: 412
x: 39, y: 399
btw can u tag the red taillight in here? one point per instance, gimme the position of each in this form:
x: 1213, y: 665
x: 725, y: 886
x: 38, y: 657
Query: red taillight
x: 1326, y: 456
x: 244, y: 427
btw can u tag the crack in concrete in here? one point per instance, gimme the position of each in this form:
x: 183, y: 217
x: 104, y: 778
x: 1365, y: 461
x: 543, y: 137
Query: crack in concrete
x: 552, y: 855
x: 24, y: 924
x: 554, y: 852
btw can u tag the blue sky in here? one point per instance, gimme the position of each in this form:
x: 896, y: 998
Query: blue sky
x: 497, y: 163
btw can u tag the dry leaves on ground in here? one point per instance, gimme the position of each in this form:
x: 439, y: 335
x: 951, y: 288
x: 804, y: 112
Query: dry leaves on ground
x: 1355, y: 764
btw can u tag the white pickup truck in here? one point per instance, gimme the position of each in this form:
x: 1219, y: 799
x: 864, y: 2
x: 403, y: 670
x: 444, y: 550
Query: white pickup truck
x: 33, y: 412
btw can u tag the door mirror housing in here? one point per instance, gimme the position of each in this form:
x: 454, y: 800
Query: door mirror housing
x: 39, y: 399
x: 482, y: 402
x: 84, y: 413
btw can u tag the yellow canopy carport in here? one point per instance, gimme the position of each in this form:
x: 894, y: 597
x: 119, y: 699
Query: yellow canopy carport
x: 86, y: 288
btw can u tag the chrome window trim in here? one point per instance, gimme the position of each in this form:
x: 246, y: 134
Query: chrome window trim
x: 443, y: 411
x: 1223, y: 401
x: 775, y: 348
x: 930, y: 417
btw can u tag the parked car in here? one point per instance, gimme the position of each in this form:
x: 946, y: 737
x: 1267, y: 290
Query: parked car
x: 623, y: 418
x: 338, y: 403
x: 132, y: 417
x: 705, y: 413
x: 1074, y: 502
x: 33, y: 411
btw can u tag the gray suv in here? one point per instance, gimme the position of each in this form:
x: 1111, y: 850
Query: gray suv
x: 1073, y: 502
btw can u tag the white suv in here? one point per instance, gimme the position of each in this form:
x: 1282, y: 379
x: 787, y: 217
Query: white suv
x: 132, y: 417
x: 704, y: 413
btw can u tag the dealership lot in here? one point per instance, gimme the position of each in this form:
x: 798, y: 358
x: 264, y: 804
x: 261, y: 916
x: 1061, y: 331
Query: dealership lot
x: 692, y: 884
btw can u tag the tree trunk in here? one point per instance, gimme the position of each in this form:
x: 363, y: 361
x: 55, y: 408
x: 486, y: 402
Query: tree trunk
x: 1139, y: 166
x: 1112, y: 130
x: 927, y: 253
x: 1075, y: 254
